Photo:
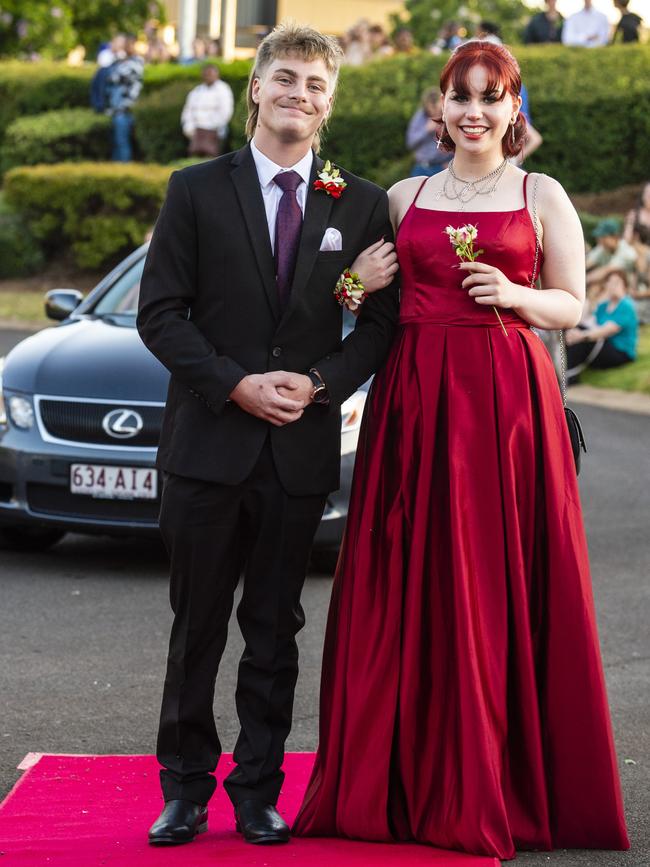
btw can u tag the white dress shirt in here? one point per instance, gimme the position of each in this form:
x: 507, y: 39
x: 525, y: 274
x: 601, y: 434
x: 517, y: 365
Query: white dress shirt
x: 578, y: 29
x: 208, y: 107
x: 271, y: 192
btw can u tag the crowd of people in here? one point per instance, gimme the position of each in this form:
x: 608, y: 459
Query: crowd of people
x: 618, y: 293
x: 588, y: 27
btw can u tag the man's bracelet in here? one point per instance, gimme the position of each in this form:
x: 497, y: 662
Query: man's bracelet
x: 349, y: 290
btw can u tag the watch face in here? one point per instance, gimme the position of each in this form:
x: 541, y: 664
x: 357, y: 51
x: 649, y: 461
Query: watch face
x: 320, y: 394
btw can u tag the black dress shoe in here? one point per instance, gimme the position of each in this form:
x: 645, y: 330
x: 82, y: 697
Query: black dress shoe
x: 260, y: 822
x: 179, y: 822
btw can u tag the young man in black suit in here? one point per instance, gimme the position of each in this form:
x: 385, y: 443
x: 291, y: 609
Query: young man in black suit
x: 237, y: 302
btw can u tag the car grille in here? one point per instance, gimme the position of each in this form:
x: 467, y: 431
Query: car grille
x: 80, y: 421
x: 54, y: 500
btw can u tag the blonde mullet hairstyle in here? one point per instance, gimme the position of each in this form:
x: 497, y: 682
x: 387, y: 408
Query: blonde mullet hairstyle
x: 292, y: 40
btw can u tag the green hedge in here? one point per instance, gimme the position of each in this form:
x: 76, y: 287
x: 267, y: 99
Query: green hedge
x: 56, y: 136
x: 98, y: 211
x: 158, y: 130
x: 592, y: 108
x: 32, y: 88
x: 235, y: 73
x: 20, y: 252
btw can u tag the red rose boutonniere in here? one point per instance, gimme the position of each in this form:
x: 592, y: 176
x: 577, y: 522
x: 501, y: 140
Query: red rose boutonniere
x: 330, y: 180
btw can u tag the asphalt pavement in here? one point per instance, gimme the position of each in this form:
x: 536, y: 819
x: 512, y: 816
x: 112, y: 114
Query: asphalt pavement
x: 84, y: 629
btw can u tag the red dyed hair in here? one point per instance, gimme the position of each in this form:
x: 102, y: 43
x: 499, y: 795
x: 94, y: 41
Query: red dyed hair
x: 502, y: 72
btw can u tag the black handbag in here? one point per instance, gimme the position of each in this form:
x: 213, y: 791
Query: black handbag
x: 576, y: 435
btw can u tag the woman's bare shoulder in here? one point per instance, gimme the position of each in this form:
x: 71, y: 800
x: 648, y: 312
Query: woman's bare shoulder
x: 404, y: 190
x: 549, y: 190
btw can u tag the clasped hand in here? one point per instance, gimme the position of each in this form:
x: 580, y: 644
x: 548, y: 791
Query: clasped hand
x: 376, y: 265
x: 487, y: 285
x: 278, y: 397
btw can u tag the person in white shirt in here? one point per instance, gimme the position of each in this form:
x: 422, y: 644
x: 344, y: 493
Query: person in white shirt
x: 206, y: 114
x: 588, y: 28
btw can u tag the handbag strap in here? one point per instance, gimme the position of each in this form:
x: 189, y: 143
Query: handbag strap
x: 533, y: 281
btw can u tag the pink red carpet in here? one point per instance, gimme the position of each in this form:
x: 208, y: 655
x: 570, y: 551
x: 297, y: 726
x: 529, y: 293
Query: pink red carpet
x: 86, y: 811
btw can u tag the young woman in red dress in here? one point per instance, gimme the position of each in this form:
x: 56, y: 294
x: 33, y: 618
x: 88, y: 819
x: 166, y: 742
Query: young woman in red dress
x: 463, y: 701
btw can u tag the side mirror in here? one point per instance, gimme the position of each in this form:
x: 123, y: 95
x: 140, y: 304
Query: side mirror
x: 60, y: 303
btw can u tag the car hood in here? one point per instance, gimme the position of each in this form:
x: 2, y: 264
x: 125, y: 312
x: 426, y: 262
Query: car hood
x: 86, y: 358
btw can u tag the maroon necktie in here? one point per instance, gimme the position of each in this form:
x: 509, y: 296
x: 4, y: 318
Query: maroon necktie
x: 288, y: 226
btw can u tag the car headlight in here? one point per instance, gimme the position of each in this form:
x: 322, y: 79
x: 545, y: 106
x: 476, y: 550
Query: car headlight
x: 351, y: 413
x: 3, y: 410
x: 352, y: 410
x: 20, y: 412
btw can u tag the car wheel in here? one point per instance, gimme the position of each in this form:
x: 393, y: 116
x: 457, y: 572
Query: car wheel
x: 324, y: 561
x: 28, y: 538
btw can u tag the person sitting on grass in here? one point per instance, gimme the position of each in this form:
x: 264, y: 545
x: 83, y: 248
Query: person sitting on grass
x: 610, y: 251
x: 612, y: 341
x: 637, y: 233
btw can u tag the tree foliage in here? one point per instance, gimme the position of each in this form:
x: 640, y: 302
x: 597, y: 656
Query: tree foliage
x: 50, y: 28
x: 426, y: 17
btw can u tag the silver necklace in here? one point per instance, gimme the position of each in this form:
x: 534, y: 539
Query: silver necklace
x: 458, y: 189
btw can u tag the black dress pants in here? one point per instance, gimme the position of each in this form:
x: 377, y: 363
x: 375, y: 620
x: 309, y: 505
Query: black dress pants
x: 599, y: 354
x: 212, y: 532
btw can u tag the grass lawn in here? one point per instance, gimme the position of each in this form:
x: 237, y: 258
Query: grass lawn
x: 630, y: 377
x: 20, y: 306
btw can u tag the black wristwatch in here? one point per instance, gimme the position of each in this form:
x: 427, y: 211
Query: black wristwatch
x: 320, y: 394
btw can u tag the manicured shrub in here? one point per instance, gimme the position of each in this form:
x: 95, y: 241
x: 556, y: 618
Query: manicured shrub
x: 20, y: 252
x: 592, y: 108
x: 158, y: 130
x: 56, y: 136
x: 158, y: 113
x: 98, y: 211
x: 32, y: 88
x: 235, y: 73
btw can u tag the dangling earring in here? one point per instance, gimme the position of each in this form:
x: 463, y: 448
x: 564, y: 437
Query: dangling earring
x: 439, y: 139
x: 512, y: 131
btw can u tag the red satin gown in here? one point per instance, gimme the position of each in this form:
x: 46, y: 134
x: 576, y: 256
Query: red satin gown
x: 463, y: 702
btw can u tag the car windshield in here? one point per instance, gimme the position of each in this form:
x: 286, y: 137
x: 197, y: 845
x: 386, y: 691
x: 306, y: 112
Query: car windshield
x: 122, y: 298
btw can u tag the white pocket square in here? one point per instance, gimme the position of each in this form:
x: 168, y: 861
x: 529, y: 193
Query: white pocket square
x: 332, y: 240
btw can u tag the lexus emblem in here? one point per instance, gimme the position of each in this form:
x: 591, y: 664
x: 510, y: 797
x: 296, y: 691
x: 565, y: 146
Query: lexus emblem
x: 122, y: 424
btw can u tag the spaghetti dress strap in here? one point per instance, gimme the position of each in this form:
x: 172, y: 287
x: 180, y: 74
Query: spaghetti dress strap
x: 525, y: 191
x: 417, y: 195
x: 410, y: 207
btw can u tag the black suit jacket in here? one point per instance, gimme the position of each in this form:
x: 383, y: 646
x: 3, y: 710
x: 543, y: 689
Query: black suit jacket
x: 209, y: 311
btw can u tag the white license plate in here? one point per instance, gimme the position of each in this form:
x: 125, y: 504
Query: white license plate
x: 114, y: 483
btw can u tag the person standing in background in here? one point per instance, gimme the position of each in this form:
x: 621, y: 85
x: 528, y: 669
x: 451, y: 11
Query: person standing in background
x: 629, y: 23
x: 124, y: 86
x: 423, y: 134
x: 207, y: 113
x: 99, y: 85
x: 379, y: 43
x: 533, y: 139
x: 545, y: 26
x: 403, y: 41
x: 488, y: 31
x: 588, y: 28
